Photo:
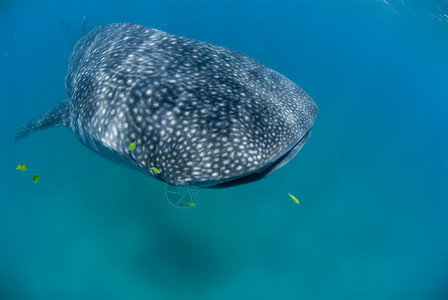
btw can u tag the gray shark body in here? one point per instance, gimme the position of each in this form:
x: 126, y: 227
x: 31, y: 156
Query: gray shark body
x: 200, y: 114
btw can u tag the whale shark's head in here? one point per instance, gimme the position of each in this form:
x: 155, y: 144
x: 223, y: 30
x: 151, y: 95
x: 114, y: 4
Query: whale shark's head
x: 217, y: 133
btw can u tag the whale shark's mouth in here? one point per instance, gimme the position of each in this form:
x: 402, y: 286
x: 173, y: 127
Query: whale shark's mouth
x: 262, y: 172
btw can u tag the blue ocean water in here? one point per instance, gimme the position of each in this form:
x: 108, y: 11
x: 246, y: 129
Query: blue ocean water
x: 372, y: 222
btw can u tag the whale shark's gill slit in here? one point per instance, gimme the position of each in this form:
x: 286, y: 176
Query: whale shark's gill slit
x: 59, y: 116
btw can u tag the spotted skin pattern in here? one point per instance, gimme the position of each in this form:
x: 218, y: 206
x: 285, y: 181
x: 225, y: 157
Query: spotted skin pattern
x: 203, y: 115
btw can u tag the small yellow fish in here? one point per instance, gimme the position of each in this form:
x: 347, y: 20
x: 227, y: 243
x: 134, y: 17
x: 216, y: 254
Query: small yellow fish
x: 22, y: 167
x: 36, y: 178
x: 190, y: 203
x: 132, y: 146
x: 155, y: 170
x: 320, y: 134
x: 294, y: 198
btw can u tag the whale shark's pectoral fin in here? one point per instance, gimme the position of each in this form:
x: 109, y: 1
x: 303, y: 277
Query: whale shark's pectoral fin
x: 59, y: 116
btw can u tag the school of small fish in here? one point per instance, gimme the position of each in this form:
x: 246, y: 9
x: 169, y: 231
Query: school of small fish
x: 23, y: 168
x: 36, y: 177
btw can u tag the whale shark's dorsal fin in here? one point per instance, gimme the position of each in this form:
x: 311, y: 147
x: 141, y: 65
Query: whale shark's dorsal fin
x: 59, y: 116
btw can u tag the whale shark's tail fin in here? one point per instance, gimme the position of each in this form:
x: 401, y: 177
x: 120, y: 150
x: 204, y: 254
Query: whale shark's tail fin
x: 59, y: 116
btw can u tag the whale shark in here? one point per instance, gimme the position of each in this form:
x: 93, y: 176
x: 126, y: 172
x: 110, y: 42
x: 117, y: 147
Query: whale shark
x: 184, y: 111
